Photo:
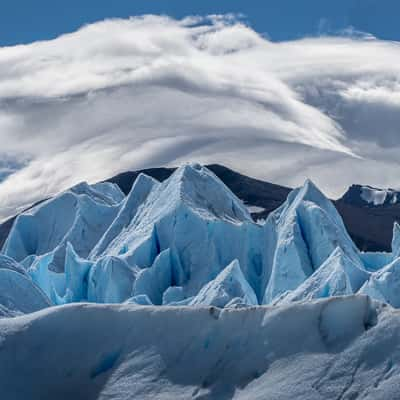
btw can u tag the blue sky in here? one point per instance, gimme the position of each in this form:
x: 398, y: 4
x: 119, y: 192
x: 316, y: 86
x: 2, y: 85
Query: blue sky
x: 24, y: 21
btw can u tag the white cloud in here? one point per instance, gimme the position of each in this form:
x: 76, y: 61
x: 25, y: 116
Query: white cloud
x: 125, y: 94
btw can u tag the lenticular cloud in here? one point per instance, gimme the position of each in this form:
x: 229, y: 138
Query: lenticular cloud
x: 123, y: 94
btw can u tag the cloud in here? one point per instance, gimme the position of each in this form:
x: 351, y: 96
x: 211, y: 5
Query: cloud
x: 148, y: 91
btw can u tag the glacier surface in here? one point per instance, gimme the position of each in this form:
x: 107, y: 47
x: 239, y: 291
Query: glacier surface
x: 196, y: 285
x: 346, y: 347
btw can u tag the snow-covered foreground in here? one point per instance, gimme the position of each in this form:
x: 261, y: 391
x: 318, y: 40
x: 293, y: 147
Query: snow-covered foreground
x: 207, y: 303
x: 338, y: 348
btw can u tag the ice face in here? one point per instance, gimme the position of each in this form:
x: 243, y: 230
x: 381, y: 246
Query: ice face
x: 141, y: 188
x: 337, y: 276
x: 396, y: 241
x: 110, y: 280
x: 111, y: 192
x: 384, y: 285
x: 307, y: 229
x: 18, y: 294
x: 291, y: 264
x: 9, y: 263
x: 202, y: 223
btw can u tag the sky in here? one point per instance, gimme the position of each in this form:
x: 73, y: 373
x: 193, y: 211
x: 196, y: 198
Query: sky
x: 25, y: 21
x: 282, y: 91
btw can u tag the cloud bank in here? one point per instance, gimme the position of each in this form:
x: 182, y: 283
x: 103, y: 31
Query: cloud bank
x: 149, y: 91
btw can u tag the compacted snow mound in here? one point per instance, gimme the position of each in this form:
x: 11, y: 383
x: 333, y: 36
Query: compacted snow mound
x: 336, y: 348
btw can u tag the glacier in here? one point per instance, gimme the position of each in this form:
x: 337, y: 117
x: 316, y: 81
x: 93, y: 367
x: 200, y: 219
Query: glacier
x: 162, y: 290
x: 337, y: 276
x: 79, y: 216
x: 172, y: 242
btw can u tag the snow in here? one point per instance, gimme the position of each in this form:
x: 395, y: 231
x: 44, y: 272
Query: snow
x: 318, y: 350
x: 254, y: 209
x: 373, y: 196
x: 378, y: 197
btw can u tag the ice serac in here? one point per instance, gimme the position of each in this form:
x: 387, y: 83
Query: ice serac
x: 230, y: 284
x: 337, y: 276
x: 204, y: 225
x: 384, y: 285
x: 396, y: 241
x: 76, y: 276
x: 109, y: 190
x: 19, y: 295
x: 141, y: 188
x: 307, y: 229
x: 154, y: 281
x: 110, y: 280
x: 80, y: 216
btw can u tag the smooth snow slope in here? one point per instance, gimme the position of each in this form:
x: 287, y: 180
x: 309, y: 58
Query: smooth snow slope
x: 339, y: 348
